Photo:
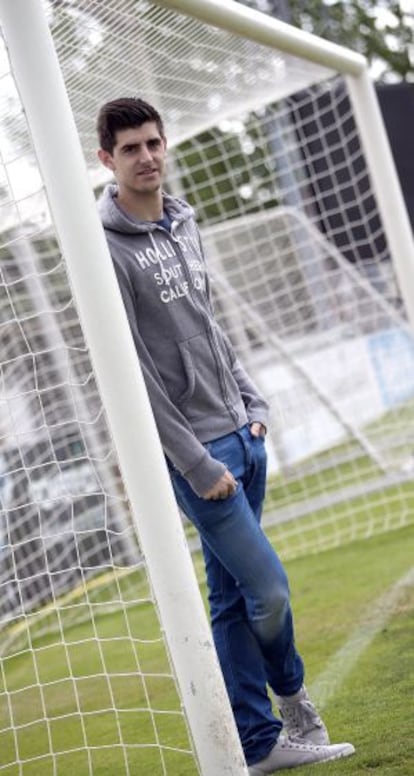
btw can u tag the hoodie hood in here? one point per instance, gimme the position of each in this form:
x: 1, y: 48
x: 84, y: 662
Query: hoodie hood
x: 116, y: 220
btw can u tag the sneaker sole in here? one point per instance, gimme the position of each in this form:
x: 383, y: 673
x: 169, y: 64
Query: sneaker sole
x: 347, y: 751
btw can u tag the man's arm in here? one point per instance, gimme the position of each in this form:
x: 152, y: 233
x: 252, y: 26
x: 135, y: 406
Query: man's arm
x: 256, y: 406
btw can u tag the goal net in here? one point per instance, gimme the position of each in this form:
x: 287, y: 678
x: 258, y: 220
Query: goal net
x: 266, y: 146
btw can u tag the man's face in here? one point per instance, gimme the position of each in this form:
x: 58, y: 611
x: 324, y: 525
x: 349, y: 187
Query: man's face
x: 138, y: 158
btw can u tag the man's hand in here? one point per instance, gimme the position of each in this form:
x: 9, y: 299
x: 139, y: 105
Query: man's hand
x: 224, y: 488
x: 257, y: 429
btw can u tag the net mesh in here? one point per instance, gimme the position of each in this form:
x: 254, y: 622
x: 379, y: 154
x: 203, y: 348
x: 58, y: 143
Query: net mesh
x: 266, y: 149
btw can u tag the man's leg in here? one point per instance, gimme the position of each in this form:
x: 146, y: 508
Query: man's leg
x: 254, y: 483
x: 249, y: 595
x: 300, y: 718
x: 241, y: 662
x: 249, y: 600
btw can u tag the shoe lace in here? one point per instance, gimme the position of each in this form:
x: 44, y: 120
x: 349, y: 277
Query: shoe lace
x: 288, y: 742
x: 299, y: 717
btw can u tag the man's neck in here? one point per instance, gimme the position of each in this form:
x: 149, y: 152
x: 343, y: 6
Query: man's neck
x: 146, y: 207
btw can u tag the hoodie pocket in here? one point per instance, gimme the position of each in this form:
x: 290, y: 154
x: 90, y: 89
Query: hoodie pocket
x: 201, y: 372
x: 189, y: 370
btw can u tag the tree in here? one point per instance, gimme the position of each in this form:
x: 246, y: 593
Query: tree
x: 381, y: 30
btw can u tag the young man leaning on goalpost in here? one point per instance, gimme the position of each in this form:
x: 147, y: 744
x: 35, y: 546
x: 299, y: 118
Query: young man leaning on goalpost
x: 212, y: 422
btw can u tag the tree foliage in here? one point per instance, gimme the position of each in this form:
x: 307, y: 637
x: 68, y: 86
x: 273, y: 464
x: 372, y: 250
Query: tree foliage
x: 381, y: 30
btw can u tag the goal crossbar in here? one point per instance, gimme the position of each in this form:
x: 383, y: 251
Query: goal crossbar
x: 247, y: 22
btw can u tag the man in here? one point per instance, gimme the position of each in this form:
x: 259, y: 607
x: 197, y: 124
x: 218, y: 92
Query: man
x: 212, y: 422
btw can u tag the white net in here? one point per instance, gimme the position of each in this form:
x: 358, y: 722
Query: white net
x: 266, y: 148
x: 195, y: 74
x: 85, y: 679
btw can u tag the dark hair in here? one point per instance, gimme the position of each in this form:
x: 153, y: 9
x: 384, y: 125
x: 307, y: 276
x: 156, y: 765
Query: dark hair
x: 124, y: 113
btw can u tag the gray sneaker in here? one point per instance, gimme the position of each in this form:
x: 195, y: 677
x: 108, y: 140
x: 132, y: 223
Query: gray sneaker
x: 292, y: 754
x: 301, y: 721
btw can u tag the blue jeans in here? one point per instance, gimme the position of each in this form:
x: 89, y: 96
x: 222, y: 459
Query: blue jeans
x: 248, y: 592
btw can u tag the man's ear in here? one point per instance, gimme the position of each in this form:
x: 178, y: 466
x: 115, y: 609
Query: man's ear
x: 106, y: 159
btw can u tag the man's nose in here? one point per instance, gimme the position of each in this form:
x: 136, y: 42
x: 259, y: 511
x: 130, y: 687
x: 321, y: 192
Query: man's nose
x: 145, y: 154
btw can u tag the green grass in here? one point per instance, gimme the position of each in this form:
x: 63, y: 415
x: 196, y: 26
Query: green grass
x: 332, y: 592
x: 373, y: 706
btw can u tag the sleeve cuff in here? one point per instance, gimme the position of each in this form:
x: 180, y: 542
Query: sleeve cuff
x: 204, y: 474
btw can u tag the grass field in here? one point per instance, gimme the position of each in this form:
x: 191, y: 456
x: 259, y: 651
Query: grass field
x: 354, y: 610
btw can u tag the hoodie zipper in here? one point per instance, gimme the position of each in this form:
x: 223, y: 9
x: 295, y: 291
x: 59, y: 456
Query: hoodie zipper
x: 211, y: 334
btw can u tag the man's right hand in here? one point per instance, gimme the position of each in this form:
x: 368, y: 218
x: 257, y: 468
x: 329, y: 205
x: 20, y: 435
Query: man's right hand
x: 224, y: 488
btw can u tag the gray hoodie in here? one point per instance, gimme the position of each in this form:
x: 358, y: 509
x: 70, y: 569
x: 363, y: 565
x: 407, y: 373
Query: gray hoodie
x: 197, y: 387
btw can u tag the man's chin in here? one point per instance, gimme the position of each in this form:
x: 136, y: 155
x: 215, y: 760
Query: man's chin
x: 148, y: 188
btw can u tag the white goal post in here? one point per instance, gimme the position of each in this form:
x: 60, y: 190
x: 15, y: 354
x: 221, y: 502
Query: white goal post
x: 276, y: 138
x: 122, y: 388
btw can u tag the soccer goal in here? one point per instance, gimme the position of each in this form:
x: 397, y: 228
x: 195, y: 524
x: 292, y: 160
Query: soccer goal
x: 276, y: 139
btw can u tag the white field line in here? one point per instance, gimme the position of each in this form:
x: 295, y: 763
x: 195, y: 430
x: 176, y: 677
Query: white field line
x: 88, y: 585
x: 342, y: 663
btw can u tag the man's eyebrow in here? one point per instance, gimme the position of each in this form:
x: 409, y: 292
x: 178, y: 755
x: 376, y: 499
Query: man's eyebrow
x: 129, y: 145
x: 150, y: 141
